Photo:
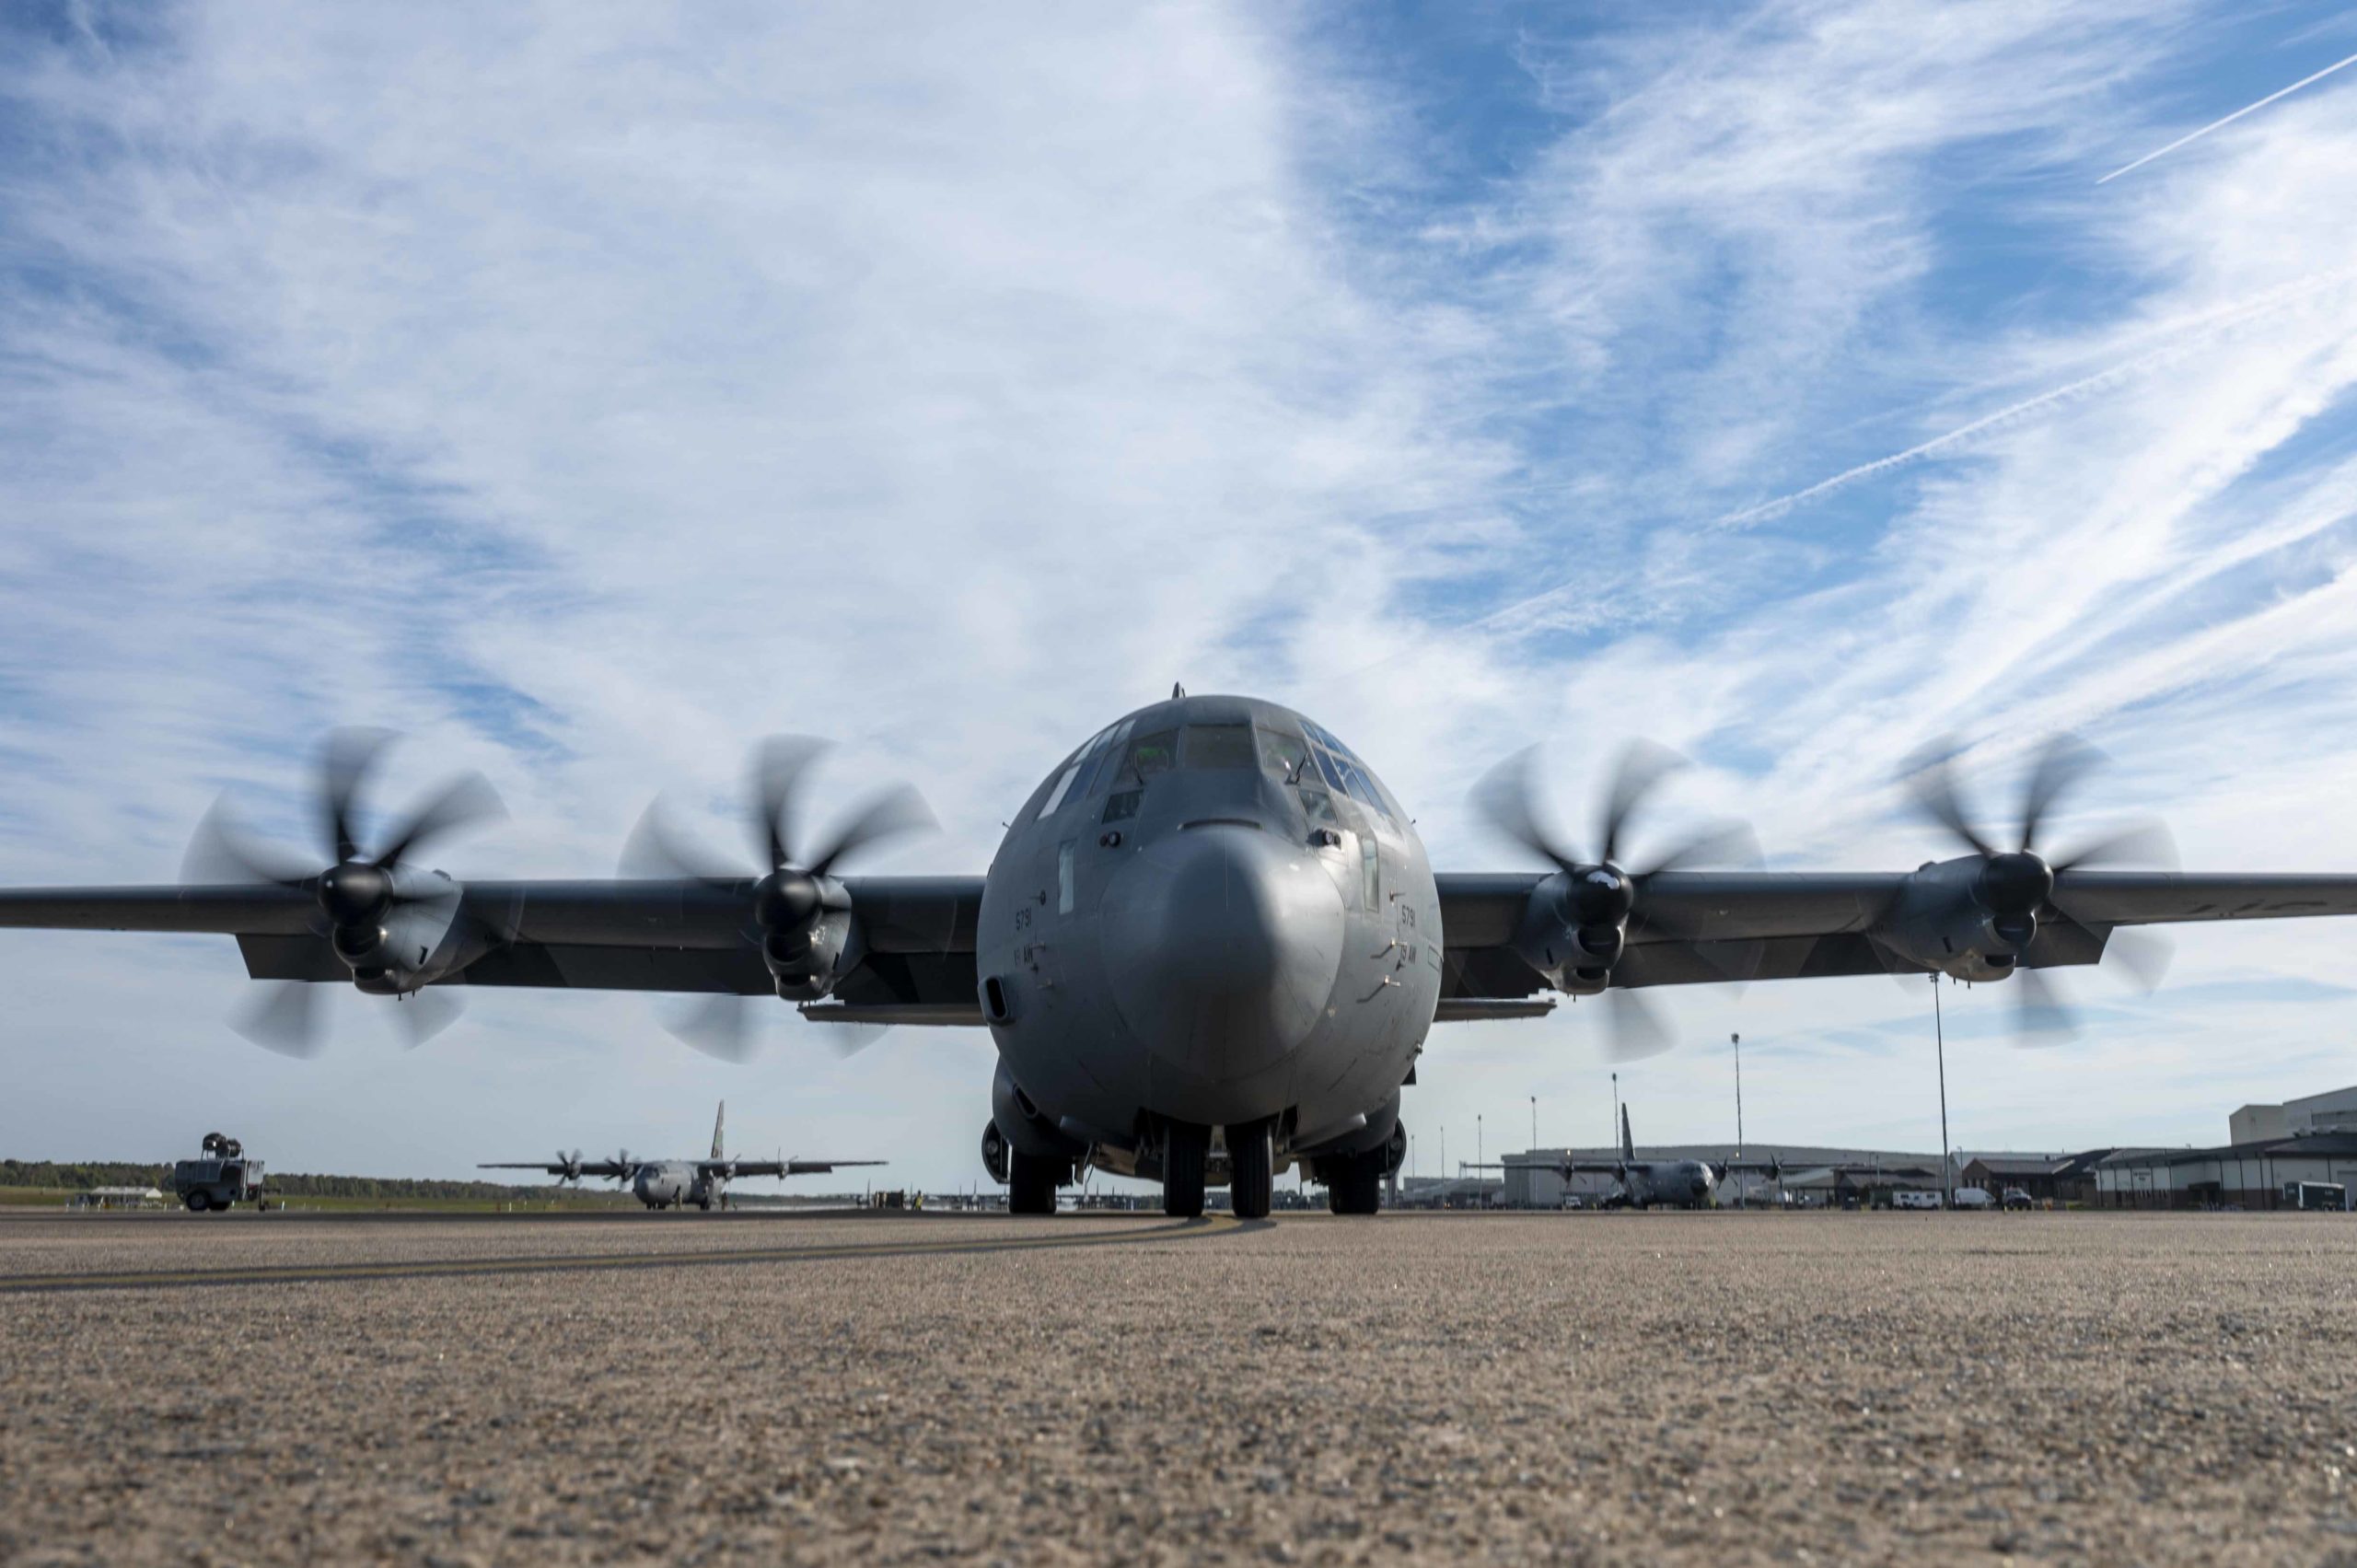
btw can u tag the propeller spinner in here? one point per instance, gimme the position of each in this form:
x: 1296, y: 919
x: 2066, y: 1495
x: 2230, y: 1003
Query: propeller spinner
x: 1586, y: 933
x: 2014, y: 886
x: 357, y: 894
x: 795, y: 906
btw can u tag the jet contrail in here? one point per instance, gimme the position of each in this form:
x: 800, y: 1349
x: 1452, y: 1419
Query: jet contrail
x: 2237, y: 114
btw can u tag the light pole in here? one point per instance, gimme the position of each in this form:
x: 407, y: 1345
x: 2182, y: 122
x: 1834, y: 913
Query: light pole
x: 1477, y: 1141
x: 1940, y: 1046
x: 1737, y: 1040
x: 1534, y: 1122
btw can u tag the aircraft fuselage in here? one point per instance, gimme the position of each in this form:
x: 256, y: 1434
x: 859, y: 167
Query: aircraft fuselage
x: 1210, y: 914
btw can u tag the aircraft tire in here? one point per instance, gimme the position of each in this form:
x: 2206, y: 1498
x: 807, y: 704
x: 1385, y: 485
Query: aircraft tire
x: 1031, y: 1184
x: 1251, y: 1160
x: 1356, y: 1186
x: 1185, y: 1148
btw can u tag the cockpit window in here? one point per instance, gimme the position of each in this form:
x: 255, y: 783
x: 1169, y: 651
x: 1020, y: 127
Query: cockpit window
x: 1286, y: 756
x: 1151, y: 755
x: 1219, y: 746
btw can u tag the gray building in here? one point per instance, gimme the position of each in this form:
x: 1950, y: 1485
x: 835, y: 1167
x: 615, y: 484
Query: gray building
x: 2251, y: 1175
x: 1534, y: 1179
x: 2332, y: 1111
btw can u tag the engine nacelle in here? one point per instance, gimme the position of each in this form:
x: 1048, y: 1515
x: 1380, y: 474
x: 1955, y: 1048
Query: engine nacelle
x: 1941, y: 920
x: 421, y: 934
x: 1575, y: 928
x: 808, y: 955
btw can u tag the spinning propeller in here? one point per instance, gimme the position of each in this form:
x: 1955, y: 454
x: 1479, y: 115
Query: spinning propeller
x: 1600, y: 894
x: 790, y: 902
x: 568, y: 1166
x: 2015, y: 884
x: 355, y: 893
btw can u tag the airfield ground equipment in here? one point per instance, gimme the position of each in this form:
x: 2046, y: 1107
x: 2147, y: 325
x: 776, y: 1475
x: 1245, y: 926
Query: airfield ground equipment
x: 2331, y: 1196
x: 221, y: 1178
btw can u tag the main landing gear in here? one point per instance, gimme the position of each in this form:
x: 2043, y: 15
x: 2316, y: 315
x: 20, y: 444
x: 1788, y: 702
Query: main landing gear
x: 1251, y: 1168
x: 1032, y: 1181
x: 1353, y: 1182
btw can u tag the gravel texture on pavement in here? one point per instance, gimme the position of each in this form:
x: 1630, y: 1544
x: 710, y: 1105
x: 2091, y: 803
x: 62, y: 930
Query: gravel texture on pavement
x: 1707, y: 1389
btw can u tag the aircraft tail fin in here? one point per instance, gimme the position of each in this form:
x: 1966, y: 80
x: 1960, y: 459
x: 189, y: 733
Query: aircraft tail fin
x: 717, y: 1152
x: 1628, y: 1145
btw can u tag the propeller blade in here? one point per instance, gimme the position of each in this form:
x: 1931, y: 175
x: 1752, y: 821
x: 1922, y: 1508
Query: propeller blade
x: 2145, y: 955
x: 285, y: 1018
x: 1642, y: 765
x: 1506, y: 797
x: 887, y: 815
x: 1634, y: 1027
x: 2040, y: 1010
x: 721, y: 1026
x: 350, y: 754
x: 657, y: 851
x: 2148, y: 845
x: 2061, y: 765
x: 1721, y: 843
x: 778, y: 766
x: 1933, y: 788
x: 462, y: 803
x: 422, y: 1014
x: 221, y: 851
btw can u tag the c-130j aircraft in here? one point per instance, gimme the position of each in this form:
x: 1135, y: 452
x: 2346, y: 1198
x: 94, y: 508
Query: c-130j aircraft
x: 1210, y: 947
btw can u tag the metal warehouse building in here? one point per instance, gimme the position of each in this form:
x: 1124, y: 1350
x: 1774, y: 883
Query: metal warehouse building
x: 2252, y: 1174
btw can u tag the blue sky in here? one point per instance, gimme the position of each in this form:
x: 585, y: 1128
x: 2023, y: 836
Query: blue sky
x: 588, y: 393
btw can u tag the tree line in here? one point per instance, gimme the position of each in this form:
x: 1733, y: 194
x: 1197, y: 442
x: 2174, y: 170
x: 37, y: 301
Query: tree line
x: 80, y: 1175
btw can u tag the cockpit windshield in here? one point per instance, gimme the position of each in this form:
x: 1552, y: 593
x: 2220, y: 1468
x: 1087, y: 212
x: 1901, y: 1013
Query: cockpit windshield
x: 1217, y: 746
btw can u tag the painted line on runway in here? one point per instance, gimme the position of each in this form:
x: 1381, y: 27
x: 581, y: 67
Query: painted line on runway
x: 613, y: 1263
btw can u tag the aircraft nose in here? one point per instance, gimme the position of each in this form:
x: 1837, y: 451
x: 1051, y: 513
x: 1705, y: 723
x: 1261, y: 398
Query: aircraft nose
x: 1223, y: 943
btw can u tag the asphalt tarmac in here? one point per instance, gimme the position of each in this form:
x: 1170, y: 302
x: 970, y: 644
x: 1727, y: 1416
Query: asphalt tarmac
x: 1706, y: 1389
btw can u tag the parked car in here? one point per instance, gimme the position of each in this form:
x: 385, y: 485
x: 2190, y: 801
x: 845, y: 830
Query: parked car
x: 1574, y: 1200
x: 2017, y: 1199
x: 1973, y: 1198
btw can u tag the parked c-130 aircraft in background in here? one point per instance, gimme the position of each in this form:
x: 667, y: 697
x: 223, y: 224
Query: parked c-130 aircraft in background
x: 676, y: 1183
x: 1210, y: 947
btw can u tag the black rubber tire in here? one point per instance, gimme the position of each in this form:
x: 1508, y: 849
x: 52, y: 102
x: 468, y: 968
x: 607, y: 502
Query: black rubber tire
x: 198, y: 1202
x: 1185, y: 1148
x: 1357, y: 1187
x: 1031, y: 1183
x: 1251, y: 1165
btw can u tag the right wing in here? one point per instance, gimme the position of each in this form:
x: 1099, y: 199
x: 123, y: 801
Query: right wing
x: 601, y: 1169
x: 916, y: 934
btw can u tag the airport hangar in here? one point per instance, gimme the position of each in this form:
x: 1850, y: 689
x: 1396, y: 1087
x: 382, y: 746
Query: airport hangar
x: 1535, y: 1178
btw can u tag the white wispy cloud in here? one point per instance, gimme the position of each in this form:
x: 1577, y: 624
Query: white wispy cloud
x: 588, y: 400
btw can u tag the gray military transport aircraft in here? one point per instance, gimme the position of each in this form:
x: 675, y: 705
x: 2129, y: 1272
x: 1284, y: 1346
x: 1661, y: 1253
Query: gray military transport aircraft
x: 677, y: 1184
x: 1210, y: 947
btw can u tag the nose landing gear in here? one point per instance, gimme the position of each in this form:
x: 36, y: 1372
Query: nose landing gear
x: 1186, y: 1147
x: 1251, y: 1163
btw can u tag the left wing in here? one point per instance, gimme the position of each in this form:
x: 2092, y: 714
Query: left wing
x: 1512, y: 936
x: 780, y: 1167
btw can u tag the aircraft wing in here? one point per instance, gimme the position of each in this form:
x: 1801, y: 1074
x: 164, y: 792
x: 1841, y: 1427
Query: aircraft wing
x: 781, y: 1168
x: 916, y: 936
x: 601, y: 1169
x: 1703, y: 927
